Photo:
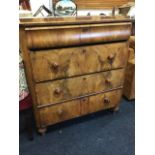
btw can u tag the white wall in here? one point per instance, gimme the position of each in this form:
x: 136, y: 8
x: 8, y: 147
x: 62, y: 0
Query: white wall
x: 35, y: 4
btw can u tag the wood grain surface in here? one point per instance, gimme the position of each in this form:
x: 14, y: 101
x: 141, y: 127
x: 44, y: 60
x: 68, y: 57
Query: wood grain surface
x: 79, y: 107
x: 65, y: 89
x: 63, y: 36
x: 129, y: 83
x: 61, y: 63
x: 74, y: 66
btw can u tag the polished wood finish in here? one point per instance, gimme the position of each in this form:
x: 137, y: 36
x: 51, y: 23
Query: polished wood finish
x: 61, y: 90
x: 74, y: 66
x: 61, y: 63
x: 76, y: 35
x: 61, y: 112
x: 79, y: 20
x: 129, y: 84
x: 28, y: 71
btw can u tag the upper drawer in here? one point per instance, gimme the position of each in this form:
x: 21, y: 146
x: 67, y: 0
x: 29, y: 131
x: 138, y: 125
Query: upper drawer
x: 60, y: 63
x: 70, y: 88
x: 62, y: 36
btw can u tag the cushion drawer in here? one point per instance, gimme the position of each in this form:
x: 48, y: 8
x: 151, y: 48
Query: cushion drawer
x: 60, y: 63
x: 63, y: 36
x: 67, y: 110
x: 66, y: 89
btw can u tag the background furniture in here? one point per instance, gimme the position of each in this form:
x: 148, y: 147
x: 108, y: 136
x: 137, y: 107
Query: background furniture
x: 25, y: 101
x: 129, y: 83
x: 98, y: 4
x: 74, y: 66
x: 124, y: 9
x: 25, y: 107
x: 24, y: 4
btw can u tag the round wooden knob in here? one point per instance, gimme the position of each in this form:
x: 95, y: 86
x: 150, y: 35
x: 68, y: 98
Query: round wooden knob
x: 57, y: 91
x: 106, y: 100
x: 107, y: 81
x: 60, y: 111
x: 111, y: 57
x: 84, y: 50
x: 55, y: 66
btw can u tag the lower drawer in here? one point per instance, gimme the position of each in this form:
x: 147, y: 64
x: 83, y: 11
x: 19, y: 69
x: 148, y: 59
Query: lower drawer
x: 75, y: 108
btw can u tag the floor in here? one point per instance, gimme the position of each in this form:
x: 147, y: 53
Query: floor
x: 102, y: 133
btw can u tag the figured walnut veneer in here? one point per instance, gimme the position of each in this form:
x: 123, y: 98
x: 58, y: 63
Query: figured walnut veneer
x: 79, y: 107
x: 74, y: 66
x: 60, y: 90
x: 76, y: 35
x: 57, y: 63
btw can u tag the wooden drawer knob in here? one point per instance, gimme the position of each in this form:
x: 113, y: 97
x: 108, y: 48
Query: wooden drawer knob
x: 84, y: 51
x: 60, y: 111
x: 106, y: 100
x: 107, y: 81
x: 57, y: 91
x: 111, y: 57
x: 55, y: 66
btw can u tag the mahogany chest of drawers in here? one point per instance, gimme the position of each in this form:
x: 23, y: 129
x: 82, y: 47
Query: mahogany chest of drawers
x: 74, y: 66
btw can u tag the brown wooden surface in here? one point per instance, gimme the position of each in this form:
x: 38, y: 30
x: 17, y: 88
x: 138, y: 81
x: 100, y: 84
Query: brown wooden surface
x: 28, y: 71
x: 49, y: 37
x: 61, y: 90
x: 131, y: 53
x: 59, y: 100
x: 53, y: 21
x: 129, y: 84
x: 60, y: 63
x: 98, y: 4
x: 76, y: 108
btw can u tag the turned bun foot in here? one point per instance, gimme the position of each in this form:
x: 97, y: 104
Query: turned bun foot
x: 42, y: 131
x: 115, y: 109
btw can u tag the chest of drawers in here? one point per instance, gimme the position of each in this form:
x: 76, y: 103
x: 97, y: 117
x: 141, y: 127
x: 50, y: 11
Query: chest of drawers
x: 74, y: 66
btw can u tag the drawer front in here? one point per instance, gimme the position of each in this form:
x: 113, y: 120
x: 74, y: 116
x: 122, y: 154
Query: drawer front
x: 66, y: 89
x: 60, y: 63
x: 75, y: 108
x: 100, y: 101
x: 63, y: 36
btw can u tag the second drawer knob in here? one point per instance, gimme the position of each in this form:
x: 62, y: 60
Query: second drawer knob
x: 107, y: 81
x: 111, y: 57
x: 55, y: 66
x: 57, y: 91
x: 106, y: 100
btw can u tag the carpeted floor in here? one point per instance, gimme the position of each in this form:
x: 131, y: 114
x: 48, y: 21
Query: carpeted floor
x: 102, y: 133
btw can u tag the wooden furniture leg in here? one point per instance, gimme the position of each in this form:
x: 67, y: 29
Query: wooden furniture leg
x: 115, y: 109
x: 42, y: 130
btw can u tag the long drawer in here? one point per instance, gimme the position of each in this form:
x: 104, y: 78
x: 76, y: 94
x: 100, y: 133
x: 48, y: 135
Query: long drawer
x: 66, y: 89
x: 75, y: 108
x: 61, y: 63
x: 64, y: 36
